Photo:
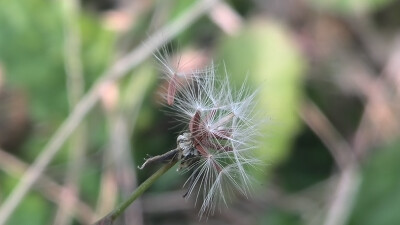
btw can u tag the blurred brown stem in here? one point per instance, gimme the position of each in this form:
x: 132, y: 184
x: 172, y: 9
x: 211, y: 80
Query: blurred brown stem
x: 75, y: 90
x: 47, y: 187
x: 350, y: 177
x: 320, y: 125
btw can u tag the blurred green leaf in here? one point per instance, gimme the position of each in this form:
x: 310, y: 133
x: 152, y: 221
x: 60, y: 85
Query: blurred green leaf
x: 33, y: 209
x: 264, y: 52
x: 379, y: 197
x: 277, y: 217
x: 350, y: 6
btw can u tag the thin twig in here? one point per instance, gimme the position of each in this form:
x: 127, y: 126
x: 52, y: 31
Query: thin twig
x: 110, y: 218
x: 75, y: 90
x: 340, y: 150
x: 125, y: 169
x: 117, y: 71
x: 342, y: 200
x: 349, y: 181
x: 47, y: 187
x: 108, y: 188
x: 122, y: 121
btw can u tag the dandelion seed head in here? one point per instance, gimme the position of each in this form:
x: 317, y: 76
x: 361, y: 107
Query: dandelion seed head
x: 216, y: 149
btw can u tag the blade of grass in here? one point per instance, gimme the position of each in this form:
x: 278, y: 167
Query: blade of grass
x: 75, y: 90
x: 110, y: 218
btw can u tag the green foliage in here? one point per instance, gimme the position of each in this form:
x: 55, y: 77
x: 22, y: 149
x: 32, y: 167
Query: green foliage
x: 379, y: 197
x: 33, y: 210
x: 32, y: 56
x: 277, y: 217
x: 31, y: 53
x: 264, y: 53
x: 350, y: 6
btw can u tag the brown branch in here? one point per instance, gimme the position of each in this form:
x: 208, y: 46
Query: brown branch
x: 350, y: 177
x: 47, y: 187
x: 320, y: 125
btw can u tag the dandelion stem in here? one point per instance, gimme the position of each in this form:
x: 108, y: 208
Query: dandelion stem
x: 111, y: 217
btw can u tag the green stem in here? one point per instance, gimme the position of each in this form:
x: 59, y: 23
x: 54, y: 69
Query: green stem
x: 110, y: 218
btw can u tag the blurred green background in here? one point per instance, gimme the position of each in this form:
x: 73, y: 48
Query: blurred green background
x: 328, y: 79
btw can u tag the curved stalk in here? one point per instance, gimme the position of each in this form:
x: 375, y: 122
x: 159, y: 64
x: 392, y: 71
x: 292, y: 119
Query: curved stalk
x: 111, y: 217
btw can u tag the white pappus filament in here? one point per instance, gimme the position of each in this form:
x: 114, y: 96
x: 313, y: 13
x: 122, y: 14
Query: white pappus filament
x: 221, y: 128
